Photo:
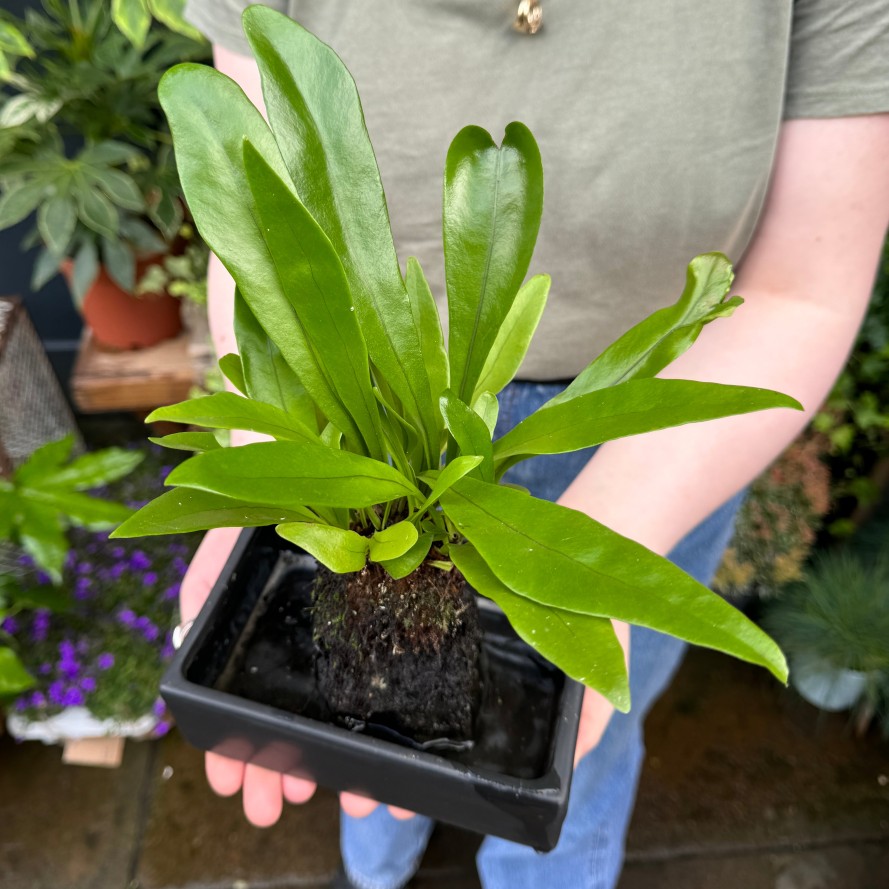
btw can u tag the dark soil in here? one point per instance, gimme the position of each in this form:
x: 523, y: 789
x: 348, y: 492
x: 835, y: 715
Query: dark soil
x: 401, y: 653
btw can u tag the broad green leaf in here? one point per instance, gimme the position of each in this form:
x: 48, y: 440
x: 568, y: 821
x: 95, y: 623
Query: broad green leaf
x: 267, y: 376
x: 133, y: 19
x: 469, y: 432
x: 120, y: 262
x: 120, y: 187
x: 392, y: 542
x: 233, y: 370
x: 565, y: 559
x: 428, y: 324
x: 184, y: 510
x: 488, y: 408
x: 20, y: 201
x: 582, y: 646
x: 188, y: 441
x: 45, y: 459
x: 92, y: 469
x: 411, y: 560
x: 85, y: 271
x: 46, y: 267
x: 651, y: 345
x: 340, y: 550
x: 281, y: 473
x: 79, y: 509
x: 14, y: 678
x: 42, y: 537
x: 316, y: 116
x: 631, y: 408
x: 514, y: 336
x: 211, y: 118
x: 226, y: 410
x: 171, y: 13
x: 12, y: 41
x: 56, y: 220
x: 97, y: 212
x: 493, y: 198
x: 441, y: 480
x: 312, y: 275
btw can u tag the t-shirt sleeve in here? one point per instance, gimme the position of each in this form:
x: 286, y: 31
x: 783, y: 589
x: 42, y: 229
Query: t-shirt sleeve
x: 839, y: 58
x: 220, y: 20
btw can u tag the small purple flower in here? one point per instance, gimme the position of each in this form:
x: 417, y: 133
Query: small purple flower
x: 73, y: 697
x: 167, y: 651
x: 116, y: 570
x: 66, y: 649
x: 88, y: 684
x: 105, y: 661
x: 139, y: 561
x: 127, y: 617
x: 56, y: 691
x: 118, y: 552
x: 21, y: 704
x: 43, y: 579
x: 10, y: 625
x: 172, y: 592
x: 102, y: 535
x: 84, y: 568
x: 69, y: 669
x: 45, y: 669
x: 82, y: 588
x: 159, y: 708
x: 25, y: 561
x: 149, y: 578
x: 38, y: 699
x: 161, y: 729
x: 150, y: 633
x: 70, y: 559
x: 40, y: 625
x: 180, y: 566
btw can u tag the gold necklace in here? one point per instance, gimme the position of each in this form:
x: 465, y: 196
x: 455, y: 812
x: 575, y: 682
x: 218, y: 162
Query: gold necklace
x: 529, y: 17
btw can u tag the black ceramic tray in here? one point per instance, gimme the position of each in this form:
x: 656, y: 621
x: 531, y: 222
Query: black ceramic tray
x: 243, y: 686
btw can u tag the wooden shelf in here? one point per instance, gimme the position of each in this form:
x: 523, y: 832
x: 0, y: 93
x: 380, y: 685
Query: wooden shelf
x: 137, y: 380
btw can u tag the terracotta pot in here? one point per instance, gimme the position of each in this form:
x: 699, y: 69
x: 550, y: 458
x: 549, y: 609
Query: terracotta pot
x: 119, y: 320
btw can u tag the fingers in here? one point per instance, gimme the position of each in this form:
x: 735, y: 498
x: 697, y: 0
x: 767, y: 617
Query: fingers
x: 225, y: 776
x: 357, y: 806
x: 297, y: 790
x: 204, y: 569
x: 401, y: 814
x: 263, y: 797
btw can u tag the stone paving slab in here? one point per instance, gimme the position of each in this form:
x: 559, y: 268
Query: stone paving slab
x: 64, y: 826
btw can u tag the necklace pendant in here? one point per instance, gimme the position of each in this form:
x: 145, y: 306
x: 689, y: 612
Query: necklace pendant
x: 529, y: 17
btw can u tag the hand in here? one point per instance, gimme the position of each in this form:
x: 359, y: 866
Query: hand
x: 264, y: 791
x: 595, y: 714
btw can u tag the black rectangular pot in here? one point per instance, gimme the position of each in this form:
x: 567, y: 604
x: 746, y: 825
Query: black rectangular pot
x: 236, y: 688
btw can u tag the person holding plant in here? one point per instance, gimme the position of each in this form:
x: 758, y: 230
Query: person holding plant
x: 667, y: 130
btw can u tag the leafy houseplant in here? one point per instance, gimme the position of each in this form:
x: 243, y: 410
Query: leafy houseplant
x: 382, y: 465
x: 38, y: 503
x: 84, y: 148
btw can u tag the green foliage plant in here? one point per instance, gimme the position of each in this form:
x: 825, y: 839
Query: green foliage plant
x: 84, y: 148
x: 383, y: 448
x: 38, y: 503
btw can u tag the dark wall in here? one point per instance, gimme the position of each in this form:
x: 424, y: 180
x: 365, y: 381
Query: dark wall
x: 51, y: 310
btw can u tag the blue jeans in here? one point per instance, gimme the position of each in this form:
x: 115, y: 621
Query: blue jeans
x: 380, y: 852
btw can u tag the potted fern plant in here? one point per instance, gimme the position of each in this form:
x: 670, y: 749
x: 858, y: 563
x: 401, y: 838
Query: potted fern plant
x: 381, y: 465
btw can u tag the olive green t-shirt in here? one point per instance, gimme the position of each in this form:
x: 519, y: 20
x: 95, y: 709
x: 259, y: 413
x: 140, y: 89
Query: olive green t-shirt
x: 657, y: 122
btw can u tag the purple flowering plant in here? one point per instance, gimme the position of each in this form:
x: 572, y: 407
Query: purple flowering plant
x: 107, y: 649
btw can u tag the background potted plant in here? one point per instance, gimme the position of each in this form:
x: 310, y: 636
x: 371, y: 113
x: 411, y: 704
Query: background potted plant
x: 383, y: 465
x: 84, y: 148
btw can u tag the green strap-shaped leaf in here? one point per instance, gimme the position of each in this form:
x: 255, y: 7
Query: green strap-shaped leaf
x: 565, y: 559
x: 188, y: 441
x: 79, y: 509
x: 488, y: 408
x: 233, y: 370
x: 267, y: 376
x: 470, y: 433
x: 313, y: 278
x: 133, y: 19
x: 441, y: 480
x: 12, y: 41
x: 14, y: 678
x: 631, y: 408
x: 184, y: 510
x: 663, y: 336
x: 281, y: 473
x: 392, y: 542
x: 210, y: 118
x: 85, y: 271
x: 514, y: 336
x: 493, y: 198
x: 226, y: 410
x: 411, y: 560
x: 340, y: 550
x: 582, y: 646
x: 316, y: 116
x: 172, y: 14
x: 91, y: 470
x: 428, y: 323
x: 42, y: 537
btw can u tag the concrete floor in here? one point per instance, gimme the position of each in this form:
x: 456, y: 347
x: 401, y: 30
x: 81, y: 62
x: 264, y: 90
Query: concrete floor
x: 744, y: 786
